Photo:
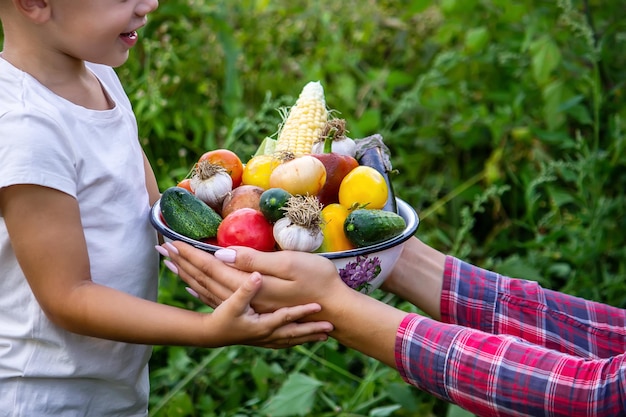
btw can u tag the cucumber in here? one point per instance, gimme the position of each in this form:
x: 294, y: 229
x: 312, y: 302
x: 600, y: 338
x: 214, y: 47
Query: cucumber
x: 372, y: 152
x: 366, y: 227
x: 272, y: 202
x: 186, y: 214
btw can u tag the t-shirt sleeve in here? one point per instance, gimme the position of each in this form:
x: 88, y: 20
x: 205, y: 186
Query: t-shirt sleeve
x: 35, y: 150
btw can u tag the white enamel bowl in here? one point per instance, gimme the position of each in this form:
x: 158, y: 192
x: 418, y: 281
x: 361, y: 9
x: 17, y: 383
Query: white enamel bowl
x: 363, y: 269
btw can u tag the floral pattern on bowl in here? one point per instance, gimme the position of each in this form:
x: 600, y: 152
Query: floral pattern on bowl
x: 359, y: 273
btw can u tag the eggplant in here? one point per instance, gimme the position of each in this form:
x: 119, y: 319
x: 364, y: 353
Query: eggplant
x: 371, y: 151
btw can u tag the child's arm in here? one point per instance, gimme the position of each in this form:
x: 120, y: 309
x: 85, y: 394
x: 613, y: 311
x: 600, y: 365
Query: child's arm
x: 47, y: 236
x: 151, y: 182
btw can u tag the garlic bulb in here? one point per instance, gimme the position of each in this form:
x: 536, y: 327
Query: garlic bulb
x: 300, y: 229
x: 333, y: 139
x: 211, y: 183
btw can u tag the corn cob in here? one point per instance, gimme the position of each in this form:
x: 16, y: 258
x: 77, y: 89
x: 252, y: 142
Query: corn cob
x: 304, y: 122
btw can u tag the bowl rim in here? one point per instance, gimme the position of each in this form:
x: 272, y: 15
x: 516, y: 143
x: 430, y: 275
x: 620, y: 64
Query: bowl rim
x: 404, y: 209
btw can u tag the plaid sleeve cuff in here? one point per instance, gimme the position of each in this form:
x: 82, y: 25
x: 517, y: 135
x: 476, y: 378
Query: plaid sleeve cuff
x: 421, y: 353
x: 469, y: 295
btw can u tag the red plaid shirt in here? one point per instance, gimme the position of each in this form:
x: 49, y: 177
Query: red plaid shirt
x: 512, y: 348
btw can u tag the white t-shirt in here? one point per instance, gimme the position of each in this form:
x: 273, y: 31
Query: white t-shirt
x: 94, y: 156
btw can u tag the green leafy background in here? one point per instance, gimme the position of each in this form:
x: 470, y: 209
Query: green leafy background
x: 506, y: 124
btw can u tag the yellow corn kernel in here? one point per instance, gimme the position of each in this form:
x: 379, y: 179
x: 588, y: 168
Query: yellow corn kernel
x: 304, y: 122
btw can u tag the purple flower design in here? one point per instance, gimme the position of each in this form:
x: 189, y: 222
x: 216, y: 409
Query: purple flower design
x: 359, y: 273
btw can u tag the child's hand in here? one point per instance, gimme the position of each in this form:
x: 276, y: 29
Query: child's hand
x: 237, y: 321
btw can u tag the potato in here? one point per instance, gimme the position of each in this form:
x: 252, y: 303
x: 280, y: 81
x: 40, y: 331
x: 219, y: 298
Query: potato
x: 240, y: 197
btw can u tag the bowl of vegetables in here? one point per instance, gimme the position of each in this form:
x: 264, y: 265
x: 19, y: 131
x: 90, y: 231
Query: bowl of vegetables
x: 312, y: 189
x: 363, y: 269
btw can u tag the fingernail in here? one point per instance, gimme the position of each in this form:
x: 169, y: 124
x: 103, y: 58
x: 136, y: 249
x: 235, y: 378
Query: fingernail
x: 170, y: 266
x: 255, y: 277
x: 162, y: 250
x: 171, y: 248
x: 192, y: 292
x: 226, y: 255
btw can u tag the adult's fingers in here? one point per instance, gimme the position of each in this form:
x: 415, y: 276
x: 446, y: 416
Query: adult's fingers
x: 284, y: 264
x: 205, y: 274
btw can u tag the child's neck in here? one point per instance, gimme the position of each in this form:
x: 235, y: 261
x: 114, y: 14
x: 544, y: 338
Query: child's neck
x: 69, y: 79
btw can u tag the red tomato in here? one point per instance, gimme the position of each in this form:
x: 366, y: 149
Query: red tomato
x: 186, y: 184
x: 227, y: 159
x: 246, y: 227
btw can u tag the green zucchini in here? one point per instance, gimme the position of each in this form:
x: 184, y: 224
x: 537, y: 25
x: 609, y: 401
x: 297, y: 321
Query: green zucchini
x: 186, y: 214
x: 272, y: 202
x: 366, y: 227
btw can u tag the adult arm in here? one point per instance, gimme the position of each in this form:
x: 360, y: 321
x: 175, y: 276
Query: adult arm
x: 456, y: 292
x: 501, y: 375
x: 488, y: 301
x: 490, y: 375
x: 359, y: 321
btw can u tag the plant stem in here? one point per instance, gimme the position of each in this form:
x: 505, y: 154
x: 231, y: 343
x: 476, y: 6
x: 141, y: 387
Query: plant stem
x: 451, y: 195
x: 188, y: 378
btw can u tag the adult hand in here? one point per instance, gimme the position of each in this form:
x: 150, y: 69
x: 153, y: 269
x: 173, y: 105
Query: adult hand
x: 292, y: 278
x: 289, y: 278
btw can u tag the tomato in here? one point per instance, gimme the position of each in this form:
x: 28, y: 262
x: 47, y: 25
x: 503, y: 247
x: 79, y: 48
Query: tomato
x: 227, y: 159
x: 186, y: 184
x: 364, y: 187
x: 258, y: 169
x: 333, y: 217
x: 246, y: 227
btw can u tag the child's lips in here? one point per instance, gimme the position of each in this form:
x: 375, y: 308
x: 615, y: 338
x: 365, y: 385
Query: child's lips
x: 130, y: 38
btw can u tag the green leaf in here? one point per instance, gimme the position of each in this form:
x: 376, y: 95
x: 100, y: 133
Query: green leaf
x: 295, y: 397
x: 456, y: 411
x: 545, y: 58
x: 384, y: 411
x: 261, y: 372
x: 553, y: 97
x: 516, y: 267
x: 402, y: 394
x: 179, y: 406
x: 476, y: 39
x: 419, y: 5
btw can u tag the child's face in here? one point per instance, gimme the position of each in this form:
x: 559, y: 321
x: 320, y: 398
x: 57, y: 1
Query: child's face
x: 100, y: 31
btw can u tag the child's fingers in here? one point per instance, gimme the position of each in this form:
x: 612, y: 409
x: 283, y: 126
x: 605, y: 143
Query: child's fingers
x: 239, y: 302
x: 294, y: 334
x: 286, y: 315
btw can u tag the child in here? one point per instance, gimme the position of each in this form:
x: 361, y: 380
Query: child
x: 78, y: 276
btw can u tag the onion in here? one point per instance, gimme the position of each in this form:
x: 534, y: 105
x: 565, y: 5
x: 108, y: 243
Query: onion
x: 304, y: 175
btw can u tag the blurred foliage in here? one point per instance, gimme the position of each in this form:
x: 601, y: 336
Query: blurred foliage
x: 506, y: 122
